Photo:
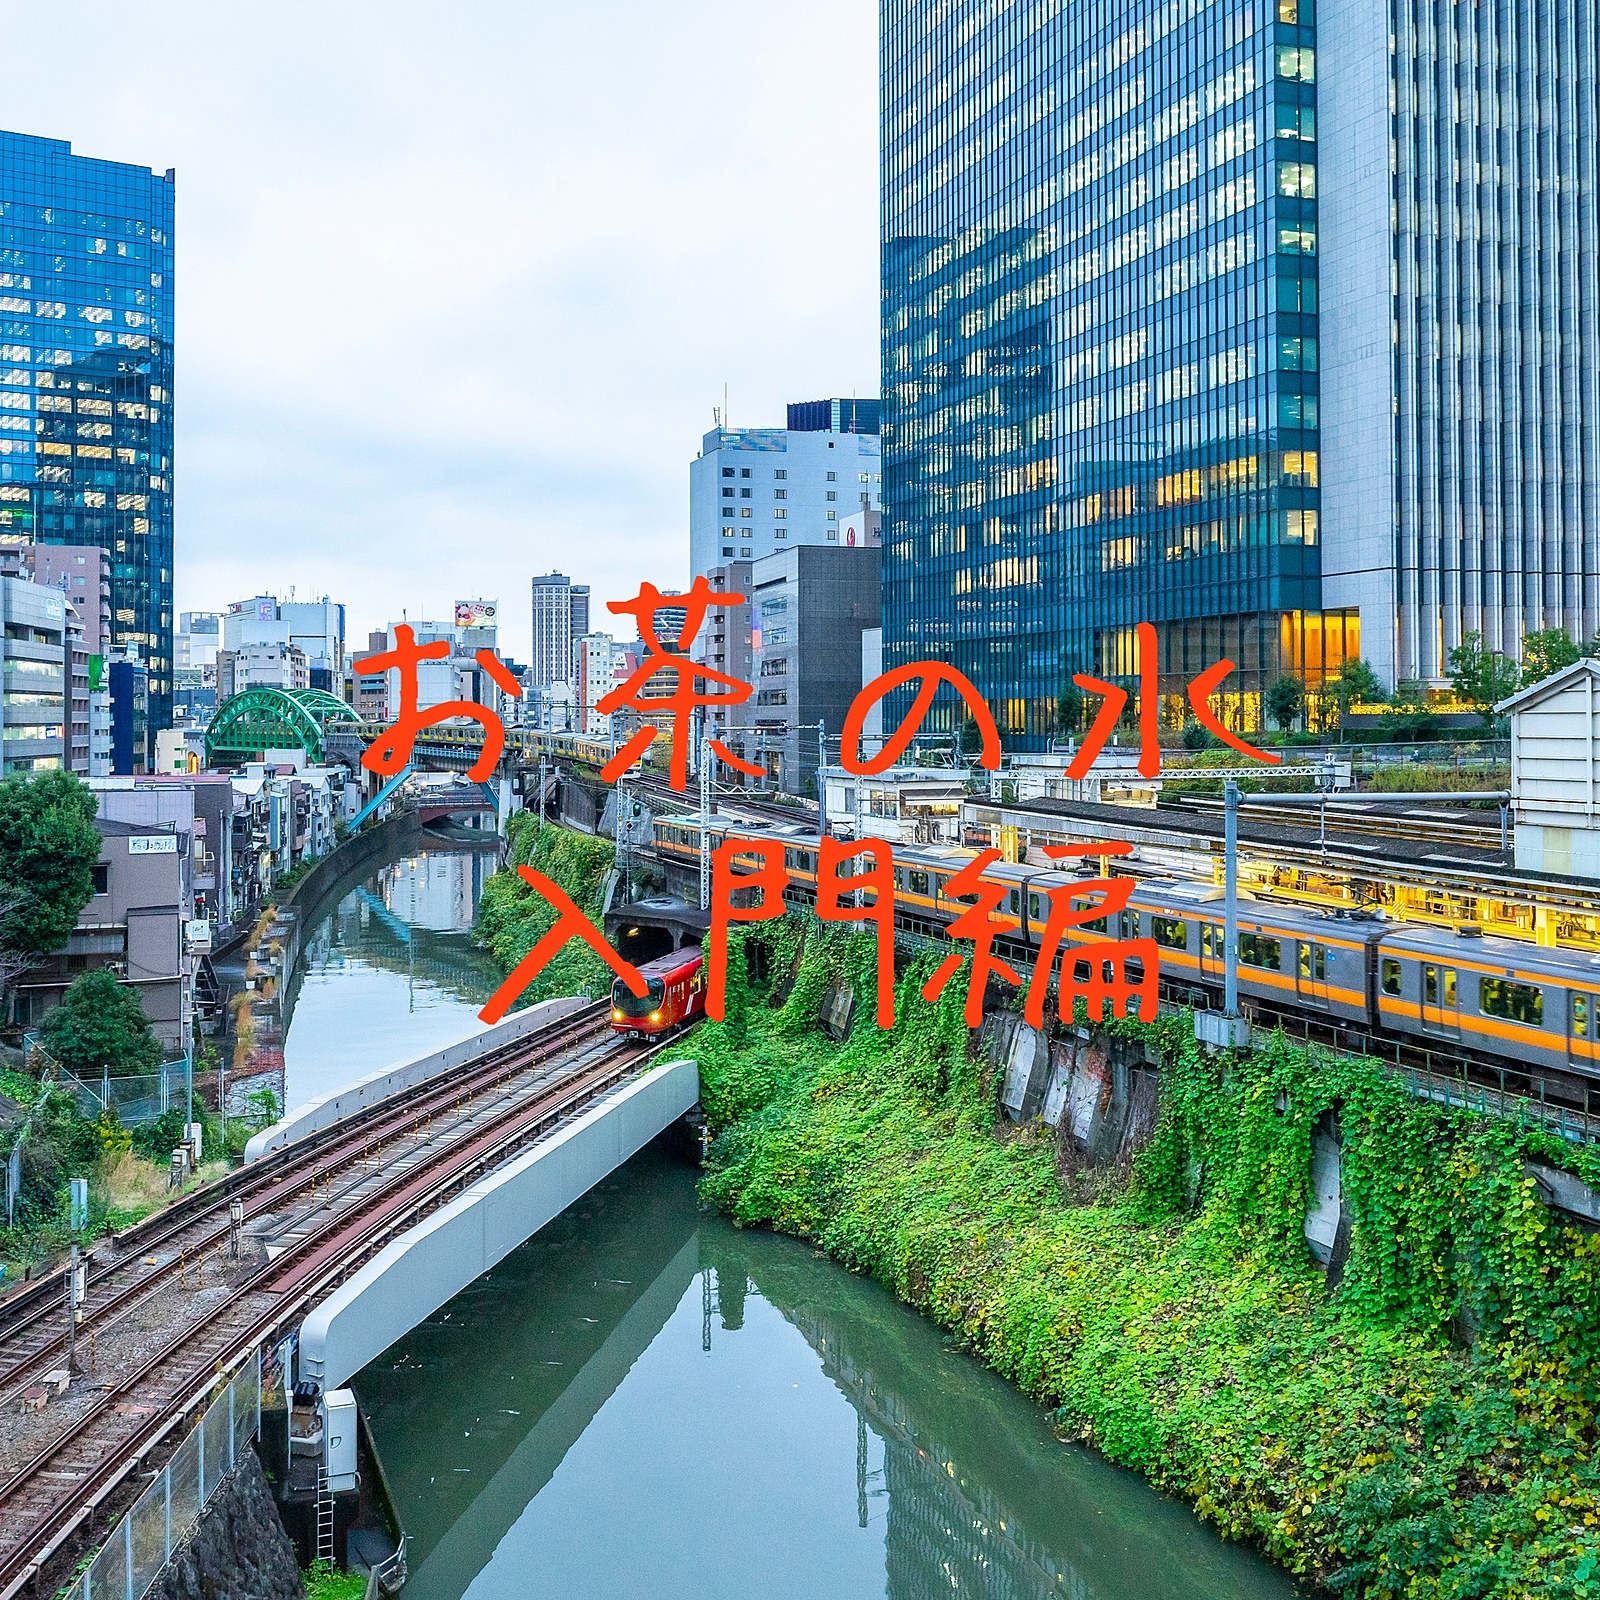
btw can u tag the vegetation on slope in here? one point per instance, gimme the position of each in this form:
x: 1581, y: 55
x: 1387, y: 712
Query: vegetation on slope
x: 1427, y: 1429
x: 512, y: 917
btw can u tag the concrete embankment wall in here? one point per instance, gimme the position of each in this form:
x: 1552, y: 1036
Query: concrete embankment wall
x: 357, y: 1096
x: 238, y: 1550
x: 437, y: 1259
x: 371, y: 844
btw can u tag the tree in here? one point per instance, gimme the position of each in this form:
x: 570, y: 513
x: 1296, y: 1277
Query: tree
x: 971, y: 736
x: 99, y: 1024
x: 1356, y: 685
x: 48, y: 848
x: 1546, y: 653
x: 1196, y: 737
x: 1284, y: 699
x: 1069, y: 708
x: 1482, y: 678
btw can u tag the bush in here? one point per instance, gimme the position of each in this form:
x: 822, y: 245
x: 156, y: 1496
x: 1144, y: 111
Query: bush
x: 100, y: 1024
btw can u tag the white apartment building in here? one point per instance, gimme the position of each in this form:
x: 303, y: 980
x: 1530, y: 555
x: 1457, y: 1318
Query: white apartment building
x: 756, y: 492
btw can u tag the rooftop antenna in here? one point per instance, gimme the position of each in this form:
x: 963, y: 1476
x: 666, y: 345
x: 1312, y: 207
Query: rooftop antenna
x: 725, y: 422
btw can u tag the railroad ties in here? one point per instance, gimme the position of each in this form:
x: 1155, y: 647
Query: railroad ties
x: 168, y: 1314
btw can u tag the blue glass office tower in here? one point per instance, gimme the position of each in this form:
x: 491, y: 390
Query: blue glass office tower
x: 86, y: 377
x: 1264, y: 326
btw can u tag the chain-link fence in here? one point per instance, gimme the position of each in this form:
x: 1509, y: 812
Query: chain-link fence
x: 137, y: 1097
x: 141, y: 1544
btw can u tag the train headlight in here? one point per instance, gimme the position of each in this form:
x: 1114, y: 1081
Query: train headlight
x: 655, y: 1016
x: 616, y: 1014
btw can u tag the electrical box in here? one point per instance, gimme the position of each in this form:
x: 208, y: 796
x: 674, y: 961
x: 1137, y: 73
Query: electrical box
x: 193, y: 1133
x: 339, y: 1411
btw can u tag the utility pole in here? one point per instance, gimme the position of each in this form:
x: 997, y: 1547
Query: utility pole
x: 625, y: 841
x: 822, y: 787
x: 1230, y: 889
x: 76, y: 1273
x: 705, y: 822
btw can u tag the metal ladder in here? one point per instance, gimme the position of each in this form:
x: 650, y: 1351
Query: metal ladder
x: 324, y: 1517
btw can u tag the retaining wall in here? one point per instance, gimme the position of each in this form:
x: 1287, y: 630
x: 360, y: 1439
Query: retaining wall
x: 357, y: 1096
x: 434, y: 1261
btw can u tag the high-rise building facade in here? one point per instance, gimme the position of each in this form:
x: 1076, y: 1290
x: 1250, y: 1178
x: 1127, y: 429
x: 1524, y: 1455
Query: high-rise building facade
x: 756, y: 492
x: 86, y: 300
x: 1167, y: 340
x: 560, y: 617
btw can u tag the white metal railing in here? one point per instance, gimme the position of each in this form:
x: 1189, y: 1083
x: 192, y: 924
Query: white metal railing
x: 142, y: 1544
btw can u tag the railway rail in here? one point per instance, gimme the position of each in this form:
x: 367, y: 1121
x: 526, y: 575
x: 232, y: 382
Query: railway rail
x: 1344, y: 820
x: 338, y: 1197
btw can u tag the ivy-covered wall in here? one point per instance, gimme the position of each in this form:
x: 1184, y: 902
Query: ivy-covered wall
x: 1427, y: 1428
x: 512, y: 918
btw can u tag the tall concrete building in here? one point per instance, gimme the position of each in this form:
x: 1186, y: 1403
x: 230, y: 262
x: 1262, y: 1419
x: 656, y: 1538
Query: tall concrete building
x: 560, y: 616
x: 810, y: 606
x: 757, y: 491
x: 1259, y: 324
x: 86, y: 309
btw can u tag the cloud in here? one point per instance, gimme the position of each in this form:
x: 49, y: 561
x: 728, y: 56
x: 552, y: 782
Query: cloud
x: 457, y: 288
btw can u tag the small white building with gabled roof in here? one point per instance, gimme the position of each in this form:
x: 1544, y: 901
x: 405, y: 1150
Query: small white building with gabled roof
x: 1555, y: 771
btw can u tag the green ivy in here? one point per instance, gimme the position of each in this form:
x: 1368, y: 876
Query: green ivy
x: 1428, y: 1429
x: 512, y: 918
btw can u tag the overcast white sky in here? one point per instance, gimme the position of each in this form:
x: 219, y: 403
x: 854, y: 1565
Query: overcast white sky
x: 458, y: 285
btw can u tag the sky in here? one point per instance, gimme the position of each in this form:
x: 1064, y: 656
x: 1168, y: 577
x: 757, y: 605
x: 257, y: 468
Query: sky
x: 459, y: 286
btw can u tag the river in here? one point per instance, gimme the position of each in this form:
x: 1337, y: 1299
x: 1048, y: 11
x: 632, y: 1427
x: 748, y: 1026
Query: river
x: 644, y: 1401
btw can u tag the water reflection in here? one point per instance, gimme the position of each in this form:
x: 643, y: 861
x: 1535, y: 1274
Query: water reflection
x: 388, y: 970
x: 643, y: 1400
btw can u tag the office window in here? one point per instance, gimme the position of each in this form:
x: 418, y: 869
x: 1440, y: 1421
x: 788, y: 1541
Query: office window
x: 780, y: 494
x: 727, y: 472
x: 728, y: 494
x: 781, y: 473
x: 1516, y: 1002
x: 747, y: 494
x: 727, y: 549
x: 779, y: 513
x: 831, y: 494
x: 744, y: 472
x: 745, y: 511
x: 832, y: 476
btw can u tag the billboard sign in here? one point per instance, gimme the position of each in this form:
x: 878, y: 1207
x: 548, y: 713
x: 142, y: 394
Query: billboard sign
x: 475, y: 613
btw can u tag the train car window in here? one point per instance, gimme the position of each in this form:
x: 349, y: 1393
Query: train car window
x: 1016, y: 903
x: 1313, y: 962
x: 1173, y: 932
x: 1257, y: 950
x: 808, y: 861
x: 1516, y: 1002
x: 919, y: 883
x: 1437, y: 981
x: 1095, y: 924
x: 1035, y: 907
x: 1080, y: 971
x: 1391, y: 975
x: 1582, y: 1016
x: 1212, y: 939
x: 1128, y: 925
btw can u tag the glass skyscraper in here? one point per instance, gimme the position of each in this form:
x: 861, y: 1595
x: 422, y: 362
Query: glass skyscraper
x: 86, y: 378
x: 1137, y: 368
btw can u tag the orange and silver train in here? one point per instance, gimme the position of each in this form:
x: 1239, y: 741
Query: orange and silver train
x: 675, y: 996
x: 1453, y: 992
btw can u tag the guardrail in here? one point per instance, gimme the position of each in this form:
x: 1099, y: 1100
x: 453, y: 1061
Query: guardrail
x: 142, y: 1544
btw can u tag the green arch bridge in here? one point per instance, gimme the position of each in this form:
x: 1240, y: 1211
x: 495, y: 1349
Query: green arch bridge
x: 263, y: 719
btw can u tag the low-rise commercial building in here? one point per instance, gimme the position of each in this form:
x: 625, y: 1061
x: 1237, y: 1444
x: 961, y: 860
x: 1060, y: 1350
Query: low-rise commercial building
x: 34, y: 665
x: 136, y: 925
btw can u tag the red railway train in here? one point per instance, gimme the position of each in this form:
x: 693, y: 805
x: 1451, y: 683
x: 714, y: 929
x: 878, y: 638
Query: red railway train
x: 676, y: 996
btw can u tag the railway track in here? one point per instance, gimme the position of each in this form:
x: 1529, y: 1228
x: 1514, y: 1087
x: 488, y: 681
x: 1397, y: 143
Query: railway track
x: 1345, y: 820
x: 338, y: 1199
